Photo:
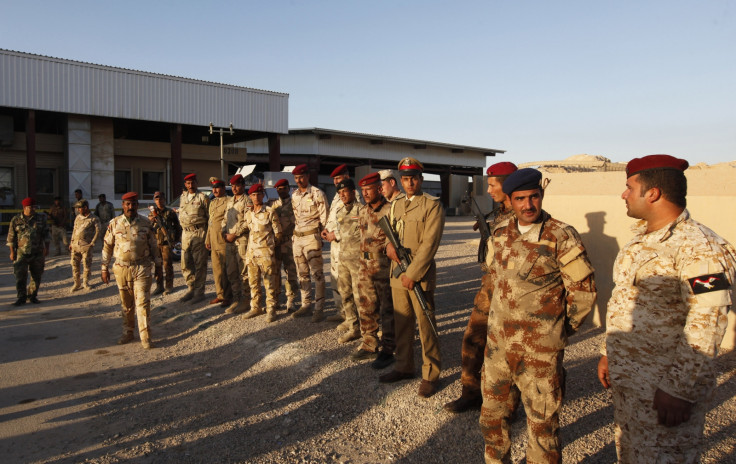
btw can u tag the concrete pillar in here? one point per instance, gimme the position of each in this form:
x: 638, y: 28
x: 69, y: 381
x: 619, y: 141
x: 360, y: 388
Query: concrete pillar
x: 31, y: 153
x: 176, y: 176
x: 79, y: 146
x: 103, y: 160
x: 274, y: 152
x: 445, y: 185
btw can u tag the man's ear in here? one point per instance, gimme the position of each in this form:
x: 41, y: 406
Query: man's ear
x: 653, y: 194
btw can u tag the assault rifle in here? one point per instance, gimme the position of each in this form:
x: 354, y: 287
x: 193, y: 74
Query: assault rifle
x: 485, y: 232
x: 404, y: 261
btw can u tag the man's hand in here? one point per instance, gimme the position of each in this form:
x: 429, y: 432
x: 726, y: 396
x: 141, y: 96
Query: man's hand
x: 12, y: 254
x: 391, y: 253
x: 407, y: 282
x: 230, y: 238
x: 324, y: 235
x: 671, y: 411
x: 603, y: 372
x: 105, y: 276
x: 208, y: 246
x: 329, y: 236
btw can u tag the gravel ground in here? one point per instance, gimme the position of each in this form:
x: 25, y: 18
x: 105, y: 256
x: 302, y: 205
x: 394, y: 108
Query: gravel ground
x: 221, y: 389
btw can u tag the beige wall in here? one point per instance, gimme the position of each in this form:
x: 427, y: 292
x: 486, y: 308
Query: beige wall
x: 591, y: 202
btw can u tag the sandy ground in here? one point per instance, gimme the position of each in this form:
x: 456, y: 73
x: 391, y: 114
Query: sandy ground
x: 221, y: 389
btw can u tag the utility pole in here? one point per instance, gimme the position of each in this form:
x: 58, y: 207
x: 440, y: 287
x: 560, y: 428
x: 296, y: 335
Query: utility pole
x: 222, y: 155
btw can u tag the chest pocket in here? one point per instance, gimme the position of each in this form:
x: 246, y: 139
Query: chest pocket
x: 538, y: 268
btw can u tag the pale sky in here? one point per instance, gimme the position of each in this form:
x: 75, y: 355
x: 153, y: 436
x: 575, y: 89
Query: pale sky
x: 543, y: 80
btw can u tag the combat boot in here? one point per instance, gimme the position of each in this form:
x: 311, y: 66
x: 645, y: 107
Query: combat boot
x: 469, y: 399
x: 126, y: 338
x: 159, y: 290
x: 349, y: 336
x: 146, y: 340
x: 77, y: 285
x: 188, y: 295
x: 238, y: 307
x: 290, y: 304
x: 86, y: 285
x: 271, y: 316
x: 169, y: 290
x: 304, y: 311
x: 337, y: 317
x: 344, y: 326
x: 197, y: 297
x: 317, y: 314
x: 253, y: 313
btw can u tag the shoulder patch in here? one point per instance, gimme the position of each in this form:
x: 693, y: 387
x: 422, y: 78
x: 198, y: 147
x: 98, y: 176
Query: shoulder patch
x: 709, y: 283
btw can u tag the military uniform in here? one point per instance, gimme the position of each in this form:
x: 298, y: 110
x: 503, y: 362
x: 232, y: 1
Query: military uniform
x: 347, y: 281
x: 218, y: 250
x: 168, y: 234
x: 29, y: 237
x: 285, y: 212
x: 84, y: 237
x: 133, y: 245
x: 264, y: 235
x: 310, y: 213
x: 105, y: 213
x: 666, y: 318
x: 59, y: 216
x: 193, y: 217
x: 236, y: 253
x: 541, y: 290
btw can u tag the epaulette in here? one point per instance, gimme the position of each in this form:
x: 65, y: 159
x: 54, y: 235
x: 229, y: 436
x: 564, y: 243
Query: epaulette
x: 430, y: 197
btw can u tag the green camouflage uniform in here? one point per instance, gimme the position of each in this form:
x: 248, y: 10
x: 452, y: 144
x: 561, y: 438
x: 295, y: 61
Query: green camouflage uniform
x: 193, y: 217
x: 168, y: 233
x: 28, y: 236
x: 264, y: 235
x: 84, y: 236
x: 59, y: 216
x: 541, y: 290
x: 285, y: 257
x: 347, y: 275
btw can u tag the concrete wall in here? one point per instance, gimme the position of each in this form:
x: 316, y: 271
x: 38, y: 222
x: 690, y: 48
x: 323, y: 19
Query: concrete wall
x: 591, y: 202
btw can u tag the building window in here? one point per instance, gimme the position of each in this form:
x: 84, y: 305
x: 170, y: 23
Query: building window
x: 45, y: 181
x: 152, y: 181
x: 122, y: 182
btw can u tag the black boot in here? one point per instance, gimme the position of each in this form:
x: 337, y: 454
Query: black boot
x: 468, y: 400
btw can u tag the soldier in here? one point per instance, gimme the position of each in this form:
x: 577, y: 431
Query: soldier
x: 59, y: 215
x: 235, y: 233
x: 130, y: 239
x: 349, y: 244
x: 104, y: 211
x: 264, y: 235
x: 217, y: 245
x: 168, y: 233
x: 374, y: 290
x: 389, y: 186
x: 541, y: 290
x: 84, y: 236
x: 193, y: 217
x: 418, y: 220
x: 28, y: 240
x: 474, y: 339
x: 285, y: 255
x: 666, y: 318
x: 310, y: 214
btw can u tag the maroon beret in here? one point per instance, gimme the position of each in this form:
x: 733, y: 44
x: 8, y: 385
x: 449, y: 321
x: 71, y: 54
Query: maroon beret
x: 342, y: 169
x: 236, y: 179
x: 646, y: 163
x: 504, y: 168
x: 255, y: 188
x: 301, y: 169
x: 283, y: 182
x: 28, y: 202
x: 372, y: 178
x: 130, y: 196
x: 191, y: 176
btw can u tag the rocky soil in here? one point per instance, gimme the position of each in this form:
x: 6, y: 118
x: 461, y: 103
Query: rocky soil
x: 221, y: 389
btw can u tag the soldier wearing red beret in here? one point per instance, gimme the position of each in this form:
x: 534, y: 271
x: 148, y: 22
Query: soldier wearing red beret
x: 28, y: 240
x: 233, y: 230
x: 193, y: 217
x: 285, y: 212
x: 217, y: 245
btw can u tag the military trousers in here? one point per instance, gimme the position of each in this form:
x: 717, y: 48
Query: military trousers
x: 474, y: 338
x: 165, y: 278
x: 134, y: 285
x: 408, y: 315
x: 237, y: 270
x: 376, y: 302
x: 308, y: 257
x: 59, y: 239
x: 285, y: 260
x: 81, y: 257
x: 540, y: 379
x: 23, y: 264
x: 335, y: 276
x: 194, y: 258
x: 347, y: 285
x: 262, y: 268
x: 219, y: 271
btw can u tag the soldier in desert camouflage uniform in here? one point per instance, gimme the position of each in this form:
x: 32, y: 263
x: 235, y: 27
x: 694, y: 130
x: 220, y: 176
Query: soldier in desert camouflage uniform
x: 474, y: 338
x: 542, y: 289
x: 374, y: 291
x: 216, y: 244
x: 666, y: 318
x: 235, y: 233
x: 285, y: 255
x: 168, y: 232
x: 59, y: 215
x: 264, y: 235
x: 130, y: 239
x: 193, y: 217
x: 310, y: 213
x: 28, y: 240
x: 84, y: 236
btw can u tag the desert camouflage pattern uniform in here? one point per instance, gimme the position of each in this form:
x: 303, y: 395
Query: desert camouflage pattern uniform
x: 347, y: 281
x: 419, y: 224
x: 236, y: 253
x: 193, y: 218
x: 28, y: 236
x: 666, y: 318
x: 285, y: 257
x: 374, y: 291
x: 84, y: 237
x: 264, y: 235
x: 542, y: 289
x: 218, y: 248
x: 168, y: 233
x: 59, y: 218
x: 133, y: 245
x: 333, y: 226
x: 476, y: 333
x: 104, y: 213
x: 310, y: 215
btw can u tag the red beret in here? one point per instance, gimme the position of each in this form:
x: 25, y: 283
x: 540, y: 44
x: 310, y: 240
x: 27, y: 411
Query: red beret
x: 130, y: 196
x: 28, y: 202
x: 342, y: 169
x: 236, y: 179
x: 281, y: 182
x: 372, y: 178
x: 504, y: 168
x: 646, y: 163
x: 301, y: 169
x: 191, y: 176
x: 255, y: 188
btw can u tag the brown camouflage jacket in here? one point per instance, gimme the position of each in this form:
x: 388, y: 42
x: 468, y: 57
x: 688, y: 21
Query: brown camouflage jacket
x: 130, y: 243
x: 86, y: 232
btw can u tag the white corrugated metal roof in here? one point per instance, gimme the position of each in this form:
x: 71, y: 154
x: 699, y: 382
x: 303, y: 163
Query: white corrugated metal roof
x: 54, y: 84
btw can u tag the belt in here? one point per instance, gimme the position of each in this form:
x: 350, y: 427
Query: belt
x: 193, y: 228
x: 306, y: 232
x: 367, y: 255
x: 137, y: 262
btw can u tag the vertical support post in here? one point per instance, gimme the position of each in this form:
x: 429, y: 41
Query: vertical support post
x: 445, y: 185
x: 274, y: 152
x: 31, y: 152
x: 176, y: 169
